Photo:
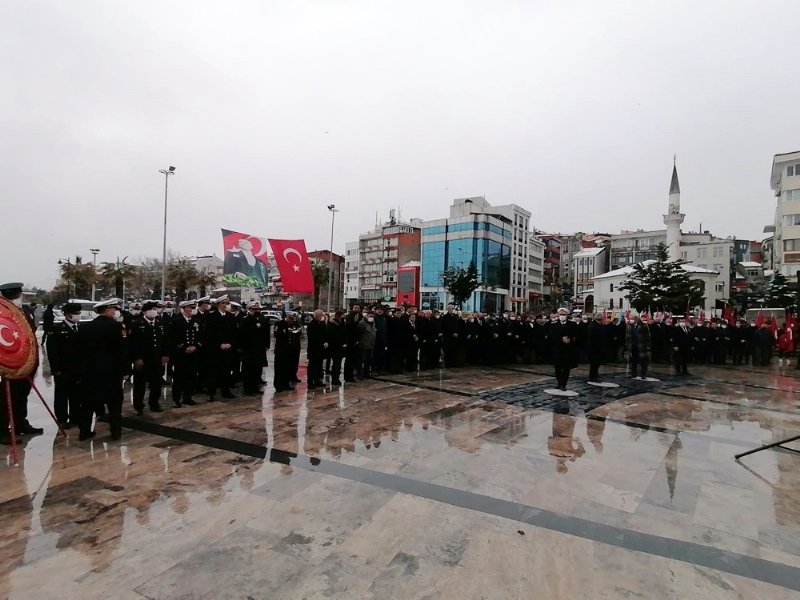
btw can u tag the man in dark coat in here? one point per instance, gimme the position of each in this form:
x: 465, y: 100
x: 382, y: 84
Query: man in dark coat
x: 66, y: 354
x: 201, y: 318
x: 222, y: 335
x: 596, y: 342
x: 681, y: 338
x: 148, y: 344
x: 337, y: 345
x: 740, y: 335
x: 452, y: 327
x: 317, y: 346
x: 637, y: 343
x: 288, y: 336
x: 254, y: 341
x: 107, y: 366
x: 352, y: 354
x: 562, y: 336
x: 184, y: 342
x: 48, y: 320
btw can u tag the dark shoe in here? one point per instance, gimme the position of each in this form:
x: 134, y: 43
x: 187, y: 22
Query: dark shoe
x: 28, y: 429
x: 212, y: 398
x: 6, y: 439
x: 86, y: 436
x: 139, y: 412
x: 336, y: 382
x: 65, y: 424
x: 227, y: 395
x: 176, y: 405
x: 156, y: 408
x: 349, y: 380
x: 190, y: 402
x: 116, y: 434
x: 102, y: 418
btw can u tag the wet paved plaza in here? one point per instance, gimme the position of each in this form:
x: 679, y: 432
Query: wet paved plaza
x: 469, y: 483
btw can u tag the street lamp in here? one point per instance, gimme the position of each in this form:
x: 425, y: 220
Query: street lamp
x: 94, y: 252
x: 66, y: 261
x: 333, y: 210
x: 167, y: 173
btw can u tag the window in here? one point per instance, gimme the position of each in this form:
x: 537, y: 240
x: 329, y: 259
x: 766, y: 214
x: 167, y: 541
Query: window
x: 701, y: 252
x: 791, y: 195
x: 611, y: 290
x: 790, y: 220
x: 792, y: 170
x: 612, y: 300
x: 717, y: 250
x: 684, y: 255
x: 718, y: 268
x: 791, y: 245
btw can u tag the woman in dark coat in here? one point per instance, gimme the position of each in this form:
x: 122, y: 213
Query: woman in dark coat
x: 561, y: 340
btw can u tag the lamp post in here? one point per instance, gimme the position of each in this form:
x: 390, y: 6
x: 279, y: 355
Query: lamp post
x: 167, y: 173
x: 333, y: 210
x: 94, y: 252
x: 66, y: 261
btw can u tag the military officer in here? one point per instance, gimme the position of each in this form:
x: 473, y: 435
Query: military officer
x: 150, y: 356
x: 254, y: 337
x: 201, y: 318
x: 185, y: 342
x: 66, y: 354
x: 222, y: 333
x: 107, y: 365
x: 288, y: 336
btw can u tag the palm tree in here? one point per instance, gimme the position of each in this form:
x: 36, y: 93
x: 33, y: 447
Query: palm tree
x: 79, y: 276
x: 183, y: 275
x: 116, y: 273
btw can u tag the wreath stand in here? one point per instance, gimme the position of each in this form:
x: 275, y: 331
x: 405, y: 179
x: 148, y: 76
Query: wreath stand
x: 10, y: 409
x: 768, y: 446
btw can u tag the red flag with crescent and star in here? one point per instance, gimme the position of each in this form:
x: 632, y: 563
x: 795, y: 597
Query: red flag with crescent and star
x: 18, y: 350
x: 293, y: 265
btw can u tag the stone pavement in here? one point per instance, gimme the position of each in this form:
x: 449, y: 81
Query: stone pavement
x: 467, y: 483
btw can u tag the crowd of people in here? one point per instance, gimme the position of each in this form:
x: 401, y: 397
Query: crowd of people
x: 207, y: 346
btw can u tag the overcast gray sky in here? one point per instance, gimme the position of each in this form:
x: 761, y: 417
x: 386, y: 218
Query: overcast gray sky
x: 272, y: 110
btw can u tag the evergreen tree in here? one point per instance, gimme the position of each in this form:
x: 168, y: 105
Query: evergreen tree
x: 662, y: 285
x: 461, y: 282
x: 777, y: 292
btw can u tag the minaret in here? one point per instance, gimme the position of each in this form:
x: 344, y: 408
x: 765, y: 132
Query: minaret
x: 674, y: 217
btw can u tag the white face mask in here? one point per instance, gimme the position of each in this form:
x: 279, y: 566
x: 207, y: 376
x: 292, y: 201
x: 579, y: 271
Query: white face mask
x: 370, y: 319
x: 73, y: 318
x: 17, y: 302
x: 151, y: 314
x: 117, y: 316
x: 135, y: 311
x: 193, y: 312
x: 562, y: 318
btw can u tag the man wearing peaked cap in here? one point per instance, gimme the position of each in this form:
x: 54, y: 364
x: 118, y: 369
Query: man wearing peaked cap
x: 66, y: 355
x: 148, y: 345
x: 107, y: 365
x: 221, y: 336
x: 254, y: 338
x: 185, y: 342
x: 201, y: 318
x: 20, y: 388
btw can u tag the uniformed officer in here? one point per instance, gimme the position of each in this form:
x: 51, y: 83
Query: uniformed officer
x: 149, y: 354
x: 254, y: 338
x: 107, y: 365
x: 20, y: 388
x: 288, y: 336
x: 201, y: 318
x: 185, y: 343
x: 66, y: 354
x: 222, y: 336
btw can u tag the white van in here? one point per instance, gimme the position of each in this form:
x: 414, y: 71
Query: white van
x: 778, y: 314
x: 87, y: 310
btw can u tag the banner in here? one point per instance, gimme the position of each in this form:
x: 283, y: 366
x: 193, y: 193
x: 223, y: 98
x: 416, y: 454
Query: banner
x: 293, y: 265
x: 245, y: 259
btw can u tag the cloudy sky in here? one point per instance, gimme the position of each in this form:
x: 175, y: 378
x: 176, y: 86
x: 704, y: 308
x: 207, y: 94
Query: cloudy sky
x: 272, y: 110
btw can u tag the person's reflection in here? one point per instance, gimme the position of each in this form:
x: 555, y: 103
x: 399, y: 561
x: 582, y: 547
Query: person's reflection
x: 671, y: 465
x: 563, y: 445
x: 594, y: 430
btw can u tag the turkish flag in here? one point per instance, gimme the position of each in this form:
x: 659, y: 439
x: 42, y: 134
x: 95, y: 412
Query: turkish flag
x: 293, y: 265
x: 760, y: 319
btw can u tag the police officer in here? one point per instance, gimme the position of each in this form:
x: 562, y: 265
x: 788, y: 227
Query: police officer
x: 20, y: 388
x: 107, y: 365
x: 185, y: 343
x: 66, y: 354
x: 149, y: 354
x: 254, y: 337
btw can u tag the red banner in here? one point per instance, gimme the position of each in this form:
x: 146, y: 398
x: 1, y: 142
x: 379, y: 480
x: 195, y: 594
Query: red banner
x: 293, y: 265
x: 245, y: 259
x: 18, y: 350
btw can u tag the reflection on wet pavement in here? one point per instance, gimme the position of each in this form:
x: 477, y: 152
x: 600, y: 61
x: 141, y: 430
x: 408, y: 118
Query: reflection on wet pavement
x: 449, y: 484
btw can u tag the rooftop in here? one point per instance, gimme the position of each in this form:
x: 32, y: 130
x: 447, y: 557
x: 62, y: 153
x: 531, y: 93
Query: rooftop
x: 628, y: 270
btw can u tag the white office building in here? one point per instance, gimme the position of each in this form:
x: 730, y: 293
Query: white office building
x: 785, y: 183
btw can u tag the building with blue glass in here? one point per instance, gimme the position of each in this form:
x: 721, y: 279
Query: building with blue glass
x: 495, y: 238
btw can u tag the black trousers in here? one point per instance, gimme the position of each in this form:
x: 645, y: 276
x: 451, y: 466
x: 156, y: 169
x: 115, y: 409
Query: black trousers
x: 452, y: 358
x: 149, y: 376
x: 66, y: 398
x: 314, y: 371
x: 253, y: 363
x: 183, y: 376
x: 680, y: 361
x: 105, y: 391
x: 285, y: 368
x: 20, y: 388
x: 640, y: 361
x: 351, y: 360
x: 562, y: 375
x: 220, y: 371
